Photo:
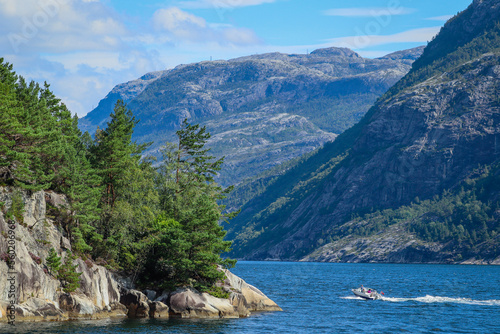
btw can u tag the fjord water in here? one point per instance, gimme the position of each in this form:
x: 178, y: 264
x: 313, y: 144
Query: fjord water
x: 316, y: 298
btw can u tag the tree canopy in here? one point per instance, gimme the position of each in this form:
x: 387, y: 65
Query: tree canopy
x: 159, y: 224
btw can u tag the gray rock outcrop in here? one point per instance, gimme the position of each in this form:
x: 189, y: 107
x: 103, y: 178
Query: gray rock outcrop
x: 246, y: 296
x: 189, y: 303
x: 136, y: 302
x: 38, y: 296
x: 243, y: 300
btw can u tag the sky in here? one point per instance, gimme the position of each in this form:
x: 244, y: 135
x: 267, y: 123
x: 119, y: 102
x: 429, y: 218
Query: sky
x: 83, y: 48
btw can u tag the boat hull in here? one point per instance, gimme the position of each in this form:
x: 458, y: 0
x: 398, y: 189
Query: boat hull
x: 365, y: 295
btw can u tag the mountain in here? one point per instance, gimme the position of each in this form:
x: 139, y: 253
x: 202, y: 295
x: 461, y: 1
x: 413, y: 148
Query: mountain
x: 261, y: 110
x: 416, y: 180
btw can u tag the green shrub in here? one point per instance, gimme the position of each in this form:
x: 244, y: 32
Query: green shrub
x: 16, y: 210
x: 53, y: 261
x: 70, y: 279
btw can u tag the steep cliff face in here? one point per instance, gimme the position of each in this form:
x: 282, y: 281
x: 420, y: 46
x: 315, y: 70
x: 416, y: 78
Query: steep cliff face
x: 37, y: 295
x: 434, y: 130
x: 262, y: 110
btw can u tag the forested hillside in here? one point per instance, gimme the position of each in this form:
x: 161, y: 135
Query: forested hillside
x: 159, y: 226
x: 414, y: 181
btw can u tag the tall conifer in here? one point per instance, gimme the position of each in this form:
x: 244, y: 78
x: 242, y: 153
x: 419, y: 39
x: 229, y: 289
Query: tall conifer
x: 189, y: 194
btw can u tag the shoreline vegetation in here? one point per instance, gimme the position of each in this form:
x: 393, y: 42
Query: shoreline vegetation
x: 157, y: 227
x: 121, y: 211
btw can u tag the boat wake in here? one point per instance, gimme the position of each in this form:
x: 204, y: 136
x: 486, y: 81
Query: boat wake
x: 435, y: 299
x: 353, y: 297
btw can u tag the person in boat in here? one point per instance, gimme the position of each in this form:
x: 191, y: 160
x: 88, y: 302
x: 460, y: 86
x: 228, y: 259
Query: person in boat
x: 362, y: 288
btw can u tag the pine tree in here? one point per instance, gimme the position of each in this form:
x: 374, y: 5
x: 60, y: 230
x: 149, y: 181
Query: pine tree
x: 81, y: 184
x: 15, y: 157
x: 192, y: 167
x: 189, y: 195
x: 114, y: 151
x: 44, y: 144
x: 128, y: 197
x: 70, y: 279
x: 53, y: 261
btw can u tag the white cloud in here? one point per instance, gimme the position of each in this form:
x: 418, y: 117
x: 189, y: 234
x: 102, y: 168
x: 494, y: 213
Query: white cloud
x: 100, y: 61
x: 83, y: 47
x: 222, y: 4
x: 362, y: 41
x: 442, y: 18
x: 369, y: 12
x: 173, y: 18
x: 186, y: 27
x: 58, y: 26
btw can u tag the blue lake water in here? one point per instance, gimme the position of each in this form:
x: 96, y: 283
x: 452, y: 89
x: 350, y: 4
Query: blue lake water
x: 316, y: 298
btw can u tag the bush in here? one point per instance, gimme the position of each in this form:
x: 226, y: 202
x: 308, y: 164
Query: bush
x: 216, y: 291
x: 70, y: 279
x: 53, y: 261
x: 35, y: 258
x: 16, y: 210
x: 6, y: 258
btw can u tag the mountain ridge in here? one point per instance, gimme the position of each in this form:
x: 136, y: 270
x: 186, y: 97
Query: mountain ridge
x: 423, y: 137
x: 285, y: 105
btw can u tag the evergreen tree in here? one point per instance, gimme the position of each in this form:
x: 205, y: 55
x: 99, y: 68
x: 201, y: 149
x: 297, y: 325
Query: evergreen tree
x: 128, y: 201
x: 15, y: 161
x: 15, y: 137
x: 53, y: 261
x: 44, y: 145
x: 189, y: 194
x: 70, y: 279
x: 80, y: 182
x: 114, y: 151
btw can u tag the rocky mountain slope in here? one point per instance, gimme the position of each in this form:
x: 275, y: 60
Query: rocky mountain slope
x: 29, y: 292
x: 421, y: 156
x: 262, y: 110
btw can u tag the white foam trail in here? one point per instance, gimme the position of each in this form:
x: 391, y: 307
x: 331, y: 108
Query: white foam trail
x: 352, y: 298
x: 436, y: 299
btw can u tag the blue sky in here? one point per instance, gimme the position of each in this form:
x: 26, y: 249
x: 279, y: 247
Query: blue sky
x: 83, y: 48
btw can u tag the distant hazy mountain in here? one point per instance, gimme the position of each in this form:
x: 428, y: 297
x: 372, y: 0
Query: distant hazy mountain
x: 262, y: 110
x: 416, y: 180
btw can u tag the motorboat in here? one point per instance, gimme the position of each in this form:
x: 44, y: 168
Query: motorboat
x: 367, y: 293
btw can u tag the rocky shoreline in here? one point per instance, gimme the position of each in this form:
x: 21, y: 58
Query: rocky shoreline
x: 393, y: 245
x: 29, y: 293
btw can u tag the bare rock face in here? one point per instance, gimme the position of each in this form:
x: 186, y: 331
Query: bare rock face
x: 262, y: 110
x: 437, y: 130
x: 77, y: 305
x: 243, y: 300
x: 246, y: 295
x: 37, y: 309
x: 97, y: 278
x: 158, y: 310
x: 38, y: 295
x: 136, y: 302
x: 34, y: 205
x: 428, y: 138
x: 189, y: 303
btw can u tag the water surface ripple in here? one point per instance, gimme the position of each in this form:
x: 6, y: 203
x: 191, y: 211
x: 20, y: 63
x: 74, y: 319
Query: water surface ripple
x: 316, y: 298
